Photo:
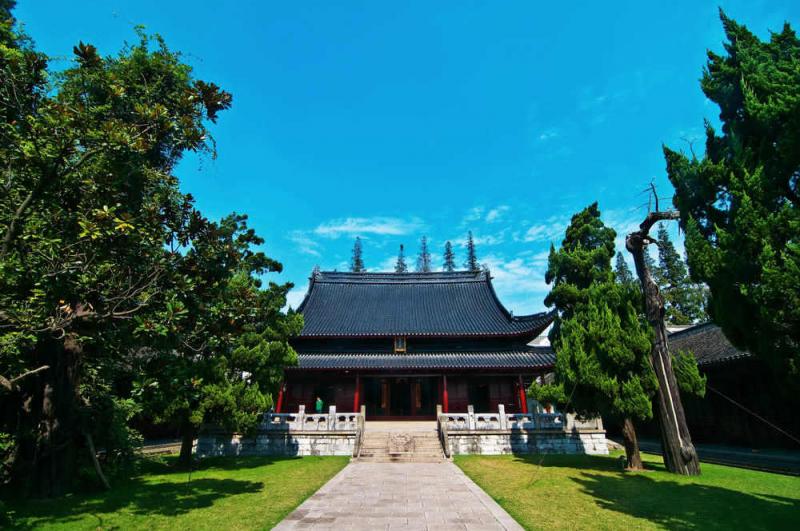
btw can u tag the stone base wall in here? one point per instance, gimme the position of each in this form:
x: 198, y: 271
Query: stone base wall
x: 277, y: 443
x: 502, y: 442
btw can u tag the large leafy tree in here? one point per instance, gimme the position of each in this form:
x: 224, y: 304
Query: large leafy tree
x: 683, y: 299
x: 739, y: 202
x: 601, y: 342
x: 222, y: 339
x: 92, y: 222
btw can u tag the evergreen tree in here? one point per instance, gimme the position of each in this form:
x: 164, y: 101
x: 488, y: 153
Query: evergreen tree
x: 740, y: 202
x: 357, y: 262
x: 424, y: 258
x: 449, y: 257
x: 683, y: 300
x: 400, y: 266
x: 602, y: 346
x: 622, y: 272
x: 471, y: 262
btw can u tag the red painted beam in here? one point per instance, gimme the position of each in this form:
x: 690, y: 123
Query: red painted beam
x: 446, y: 404
x: 356, y: 399
x: 523, y: 399
x: 280, y: 398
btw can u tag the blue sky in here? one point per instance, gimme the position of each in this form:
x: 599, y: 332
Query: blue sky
x: 393, y: 120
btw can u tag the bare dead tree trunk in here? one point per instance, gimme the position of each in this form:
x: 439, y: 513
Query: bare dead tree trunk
x: 633, y: 460
x: 680, y: 456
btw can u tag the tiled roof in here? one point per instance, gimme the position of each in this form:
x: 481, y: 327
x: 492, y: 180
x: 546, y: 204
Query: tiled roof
x: 453, y: 304
x: 523, y: 358
x: 708, y: 344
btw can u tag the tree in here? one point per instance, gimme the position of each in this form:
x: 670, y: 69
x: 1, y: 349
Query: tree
x: 400, y: 266
x: 91, y: 221
x: 424, y: 257
x: 602, y: 346
x: 356, y: 262
x: 449, y: 257
x: 680, y: 456
x: 683, y: 300
x: 471, y: 262
x: 222, y: 338
x: 622, y: 272
x: 739, y: 202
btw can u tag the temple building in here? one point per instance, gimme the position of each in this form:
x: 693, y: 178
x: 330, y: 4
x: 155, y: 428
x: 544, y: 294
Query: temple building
x: 401, y: 343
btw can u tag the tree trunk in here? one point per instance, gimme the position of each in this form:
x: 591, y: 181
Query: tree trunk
x: 50, y: 457
x: 633, y: 459
x: 680, y: 456
x: 188, y: 432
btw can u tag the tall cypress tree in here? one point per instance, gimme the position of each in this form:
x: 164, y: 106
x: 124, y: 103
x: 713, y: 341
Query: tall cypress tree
x: 622, y: 272
x: 449, y: 257
x: 683, y: 300
x: 357, y: 262
x: 424, y: 258
x: 471, y: 262
x: 740, y: 202
x: 602, y: 346
x: 401, y: 266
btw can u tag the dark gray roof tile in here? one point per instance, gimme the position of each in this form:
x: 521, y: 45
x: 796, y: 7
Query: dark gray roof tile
x: 453, y: 304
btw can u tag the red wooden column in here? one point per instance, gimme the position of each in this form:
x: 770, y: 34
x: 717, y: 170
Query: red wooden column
x: 523, y: 399
x: 446, y: 404
x: 280, y: 398
x: 357, y: 397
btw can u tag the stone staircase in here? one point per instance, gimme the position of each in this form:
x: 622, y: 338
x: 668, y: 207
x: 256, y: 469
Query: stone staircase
x: 401, y: 447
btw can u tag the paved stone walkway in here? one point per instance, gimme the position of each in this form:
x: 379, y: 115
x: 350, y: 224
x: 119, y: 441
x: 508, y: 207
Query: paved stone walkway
x: 400, y: 496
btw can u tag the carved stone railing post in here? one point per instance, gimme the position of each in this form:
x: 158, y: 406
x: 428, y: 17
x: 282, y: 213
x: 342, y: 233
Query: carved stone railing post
x: 332, y: 418
x: 301, y: 416
x: 501, y: 409
x: 471, y: 417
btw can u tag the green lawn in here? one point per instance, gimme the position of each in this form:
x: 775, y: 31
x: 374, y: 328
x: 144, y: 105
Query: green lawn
x: 592, y: 492
x: 225, y: 493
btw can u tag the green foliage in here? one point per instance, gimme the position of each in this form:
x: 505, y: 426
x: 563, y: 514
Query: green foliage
x: 622, y: 272
x: 221, y: 340
x: 739, y: 202
x: 424, y: 257
x: 602, y: 344
x: 684, y: 300
x: 108, y: 274
x: 471, y: 263
x: 449, y: 257
x: 690, y: 381
x: 357, y: 261
x: 400, y: 266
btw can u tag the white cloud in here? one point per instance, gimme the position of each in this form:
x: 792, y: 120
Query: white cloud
x: 305, y: 244
x: 295, y: 297
x: 548, y: 134
x: 378, y: 225
x: 496, y: 213
x: 550, y: 230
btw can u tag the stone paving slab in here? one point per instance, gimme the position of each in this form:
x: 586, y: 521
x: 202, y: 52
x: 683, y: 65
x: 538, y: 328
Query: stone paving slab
x: 400, y: 496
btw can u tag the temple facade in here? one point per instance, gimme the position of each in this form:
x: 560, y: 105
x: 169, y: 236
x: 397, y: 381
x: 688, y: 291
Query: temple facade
x: 401, y: 343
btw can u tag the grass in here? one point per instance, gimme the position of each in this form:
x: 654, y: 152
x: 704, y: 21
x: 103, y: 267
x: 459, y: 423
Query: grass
x: 593, y: 492
x: 225, y: 493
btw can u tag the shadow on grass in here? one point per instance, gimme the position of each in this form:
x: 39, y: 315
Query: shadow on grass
x: 689, y: 505
x: 581, y: 461
x: 159, y: 489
